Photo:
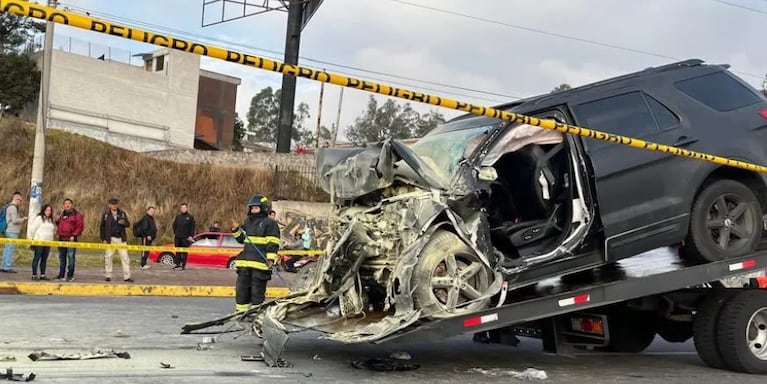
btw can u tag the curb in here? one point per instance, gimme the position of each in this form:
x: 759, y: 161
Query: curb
x: 72, y: 289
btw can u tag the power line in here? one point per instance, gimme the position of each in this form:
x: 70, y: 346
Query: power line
x: 230, y: 44
x: 553, y: 34
x: 741, y: 6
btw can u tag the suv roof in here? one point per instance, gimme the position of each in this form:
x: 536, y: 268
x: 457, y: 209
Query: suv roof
x: 553, y: 99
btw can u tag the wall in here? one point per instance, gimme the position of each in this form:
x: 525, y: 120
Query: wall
x: 255, y: 159
x: 295, y: 216
x: 126, y: 105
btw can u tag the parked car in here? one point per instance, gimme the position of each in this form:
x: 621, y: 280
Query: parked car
x: 436, y: 229
x: 199, y: 256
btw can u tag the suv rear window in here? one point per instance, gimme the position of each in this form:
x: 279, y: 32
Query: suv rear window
x: 719, y: 91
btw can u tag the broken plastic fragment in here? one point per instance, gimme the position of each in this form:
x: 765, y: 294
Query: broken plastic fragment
x: 96, y: 354
x: 527, y: 374
x: 384, y: 365
x: 166, y: 366
x: 400, y: 356
x: 10, y: 376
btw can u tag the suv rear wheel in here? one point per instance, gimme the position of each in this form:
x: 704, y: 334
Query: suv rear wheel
x: 725, y: 222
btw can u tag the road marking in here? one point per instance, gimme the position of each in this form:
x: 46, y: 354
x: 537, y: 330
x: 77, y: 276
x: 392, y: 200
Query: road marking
x: 77, y: 289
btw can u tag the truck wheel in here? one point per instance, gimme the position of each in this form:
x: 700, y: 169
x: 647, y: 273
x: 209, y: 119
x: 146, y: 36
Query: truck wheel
x: 742, y: 332
x: 675, y: 331
x: 449, y: 278
x: 704, y: 326
x: 725, y: 222
x: 630, y: 331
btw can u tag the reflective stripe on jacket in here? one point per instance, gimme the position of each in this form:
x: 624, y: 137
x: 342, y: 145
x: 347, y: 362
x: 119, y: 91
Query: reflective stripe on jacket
x: 261, y: 236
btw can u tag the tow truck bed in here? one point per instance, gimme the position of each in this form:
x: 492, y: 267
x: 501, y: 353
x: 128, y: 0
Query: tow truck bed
x: 654, y: 273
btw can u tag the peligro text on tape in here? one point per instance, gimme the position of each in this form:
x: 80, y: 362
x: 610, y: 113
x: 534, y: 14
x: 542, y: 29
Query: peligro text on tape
x: 23, y: 8
x: 139, y: 248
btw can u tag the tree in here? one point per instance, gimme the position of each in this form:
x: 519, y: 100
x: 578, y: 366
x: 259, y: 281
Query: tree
x: 264, y: 118
x: 390, y: 120
x: 561, y: 87
x: 19, y: 76
x: 239, y: 133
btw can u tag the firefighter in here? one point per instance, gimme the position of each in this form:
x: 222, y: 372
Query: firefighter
x: 261, y: 237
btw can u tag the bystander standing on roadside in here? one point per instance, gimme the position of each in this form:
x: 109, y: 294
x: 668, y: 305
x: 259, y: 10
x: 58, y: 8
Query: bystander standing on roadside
x: 14, y: 221
x: 146, y: 230
x: 42, y: 227
x: 114, y: 221
x: 70, y: 223
x: 183, y: 233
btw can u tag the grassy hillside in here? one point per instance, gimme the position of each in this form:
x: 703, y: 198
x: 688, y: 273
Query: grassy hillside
x: 89, y: 172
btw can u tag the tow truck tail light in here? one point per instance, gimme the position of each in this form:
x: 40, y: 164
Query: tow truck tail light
x: 587, y: 325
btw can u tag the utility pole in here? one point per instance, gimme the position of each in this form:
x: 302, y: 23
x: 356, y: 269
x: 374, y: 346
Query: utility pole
x: 319, y: 115
x: 288, y: 97
x: 38, y: 159
x: 338, y: 118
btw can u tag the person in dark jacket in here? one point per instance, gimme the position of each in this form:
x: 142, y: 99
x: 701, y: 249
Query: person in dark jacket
x: 114, y: 221
x: 261, y: 236
x: 146, y: 231
x: 70, y: 224
x: 183, y: 232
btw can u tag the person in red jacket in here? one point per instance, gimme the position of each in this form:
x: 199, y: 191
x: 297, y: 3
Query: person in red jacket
x: 70, y: 226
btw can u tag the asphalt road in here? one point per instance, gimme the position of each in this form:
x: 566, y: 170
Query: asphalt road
x: 149, y: 329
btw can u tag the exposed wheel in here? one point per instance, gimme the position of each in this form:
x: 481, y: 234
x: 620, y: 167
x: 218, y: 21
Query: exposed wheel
x: 742, y: 332
x: 630, y: 331
x: 167, y: 259
x: 449, y: 278
x: 230, y: 263
x: 304, y: 277
x: 725, y: 222
x: 704, y: 326
x: 675, y: 331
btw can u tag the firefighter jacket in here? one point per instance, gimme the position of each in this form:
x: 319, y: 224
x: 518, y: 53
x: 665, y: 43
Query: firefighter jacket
x: 261, y: 237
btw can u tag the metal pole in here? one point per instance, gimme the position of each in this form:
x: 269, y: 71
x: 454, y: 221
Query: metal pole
x: 338, y: 118
x: 288, y: 97
x: 38, y: 158
x: 319, y: 115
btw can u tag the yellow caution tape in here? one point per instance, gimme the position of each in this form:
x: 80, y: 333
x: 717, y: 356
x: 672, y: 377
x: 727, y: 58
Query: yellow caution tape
x: 22, y: 8
x: 139, y: 248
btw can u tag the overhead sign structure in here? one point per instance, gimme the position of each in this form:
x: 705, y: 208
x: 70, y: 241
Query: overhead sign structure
x: 23, y: 8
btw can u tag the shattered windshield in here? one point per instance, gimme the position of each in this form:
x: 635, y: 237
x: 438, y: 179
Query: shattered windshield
x: 443, y: 151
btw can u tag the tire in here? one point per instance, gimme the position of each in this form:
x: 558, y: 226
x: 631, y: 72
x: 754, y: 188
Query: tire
x: 630, y: 331
x: 230, y: 263
x: 716, y: 215
x: 304, y: 277
x: 704, y: 327
x: 167, y: 259
x: 675, y: 331
x: 434, y: 262
x: 742, y: 332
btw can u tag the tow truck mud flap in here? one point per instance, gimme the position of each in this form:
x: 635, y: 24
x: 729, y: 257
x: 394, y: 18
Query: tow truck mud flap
x: 274, y: 342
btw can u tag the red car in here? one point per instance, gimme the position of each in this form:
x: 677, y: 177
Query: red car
x: 199, y: 256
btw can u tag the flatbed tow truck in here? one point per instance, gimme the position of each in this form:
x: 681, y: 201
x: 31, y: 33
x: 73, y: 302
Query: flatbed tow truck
x: 621, y: 307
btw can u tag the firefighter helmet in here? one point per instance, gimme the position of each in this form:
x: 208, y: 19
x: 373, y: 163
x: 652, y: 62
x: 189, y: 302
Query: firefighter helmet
x: 259, y: 200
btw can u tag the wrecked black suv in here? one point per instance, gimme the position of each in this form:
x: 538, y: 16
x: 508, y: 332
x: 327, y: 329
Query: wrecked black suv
x: 434, y: 230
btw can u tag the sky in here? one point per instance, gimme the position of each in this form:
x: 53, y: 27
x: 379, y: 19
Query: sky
x: 506, y: 48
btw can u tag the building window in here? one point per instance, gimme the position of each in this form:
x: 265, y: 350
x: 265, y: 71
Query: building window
x: 159, y: 63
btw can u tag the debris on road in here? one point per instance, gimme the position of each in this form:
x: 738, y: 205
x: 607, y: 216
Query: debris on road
x: 400, y: 356
x: 7, y: 358
x: 251, y: 358
x: 120, y: 333
x: 96, y: 354
x: 209, y: 340
x: 166, y: 366
x: 10, y: 376
x: 203, y: 347
x: 316, y: 357
x: 527, y: 374
x: 384, y: 365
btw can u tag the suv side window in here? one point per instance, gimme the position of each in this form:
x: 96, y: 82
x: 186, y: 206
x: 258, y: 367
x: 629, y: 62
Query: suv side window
x: 665, y: 118
x: 627, y: 115
x: 719, y: 91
